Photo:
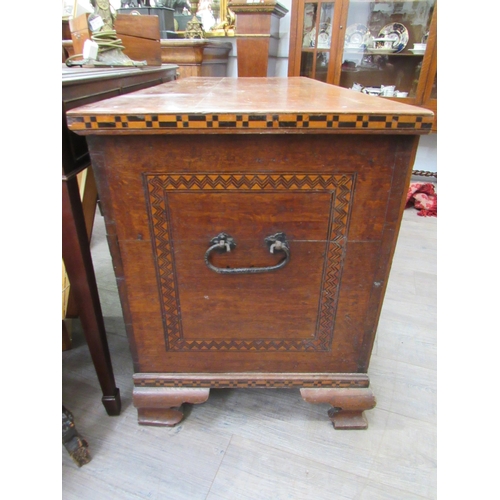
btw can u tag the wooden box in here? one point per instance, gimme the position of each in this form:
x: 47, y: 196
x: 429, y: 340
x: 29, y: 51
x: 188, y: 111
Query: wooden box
x: 252, y: 223
x: 165, y: 17
x: 140, y: 36
x: 80, y: 32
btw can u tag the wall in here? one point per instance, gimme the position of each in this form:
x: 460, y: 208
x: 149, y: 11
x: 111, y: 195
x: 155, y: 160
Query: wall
x: 282, y: 61
x: 426, y: 159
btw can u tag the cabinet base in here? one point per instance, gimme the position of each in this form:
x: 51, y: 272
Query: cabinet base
x: 159, y: 397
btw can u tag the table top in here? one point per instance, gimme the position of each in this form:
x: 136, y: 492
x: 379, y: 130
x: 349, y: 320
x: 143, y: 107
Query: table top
x: 76, y: 74
x: 248, y: 105
x: 85, y: 85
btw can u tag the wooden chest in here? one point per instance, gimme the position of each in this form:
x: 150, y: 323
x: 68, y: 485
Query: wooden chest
x: 252, y: 224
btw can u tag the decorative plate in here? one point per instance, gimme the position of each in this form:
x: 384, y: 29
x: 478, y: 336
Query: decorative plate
x: 355, y: 36
x: 324, y: 37
x: 323, y: 41
x: 395, y: 35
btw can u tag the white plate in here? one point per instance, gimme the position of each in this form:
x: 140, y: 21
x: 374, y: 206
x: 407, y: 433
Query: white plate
x: 417, y: 52
x: 355, y: 36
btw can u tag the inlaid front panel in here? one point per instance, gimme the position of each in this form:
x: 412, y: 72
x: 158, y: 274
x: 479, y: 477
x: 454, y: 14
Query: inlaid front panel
x: 289, y: 309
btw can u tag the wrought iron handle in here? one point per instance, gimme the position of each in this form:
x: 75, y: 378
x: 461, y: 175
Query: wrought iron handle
x: 225, y: 243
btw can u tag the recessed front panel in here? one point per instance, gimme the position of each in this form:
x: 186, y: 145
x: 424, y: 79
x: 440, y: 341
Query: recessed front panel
x: 287, y: 309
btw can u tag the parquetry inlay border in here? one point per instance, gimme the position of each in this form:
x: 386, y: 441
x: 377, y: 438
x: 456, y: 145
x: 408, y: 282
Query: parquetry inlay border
x: 157, y: 122
x: 246, y: 380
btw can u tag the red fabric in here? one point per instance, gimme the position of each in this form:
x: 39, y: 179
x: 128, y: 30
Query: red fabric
x: 423, y: 197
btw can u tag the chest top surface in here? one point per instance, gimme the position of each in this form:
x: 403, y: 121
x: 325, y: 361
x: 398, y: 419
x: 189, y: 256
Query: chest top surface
x: 248, y: 105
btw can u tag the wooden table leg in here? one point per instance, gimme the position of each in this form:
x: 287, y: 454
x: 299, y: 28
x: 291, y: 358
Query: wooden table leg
x: 78, y: 262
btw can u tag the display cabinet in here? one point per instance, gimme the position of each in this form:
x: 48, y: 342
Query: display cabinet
x: 314, y: 39
x: 380, y: 47
x: 428, y: 99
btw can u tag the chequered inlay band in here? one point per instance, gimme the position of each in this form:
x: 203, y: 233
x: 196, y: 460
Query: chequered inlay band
x: 250, y: 121
x: 340, y: 188
x: 217, y: 383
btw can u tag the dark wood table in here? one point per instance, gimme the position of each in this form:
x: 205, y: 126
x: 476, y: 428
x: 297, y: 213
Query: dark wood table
x: 253, y: 221
x: 83, y: 86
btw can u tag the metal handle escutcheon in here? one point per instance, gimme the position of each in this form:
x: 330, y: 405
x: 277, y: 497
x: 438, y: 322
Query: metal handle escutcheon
x: 225, y: 243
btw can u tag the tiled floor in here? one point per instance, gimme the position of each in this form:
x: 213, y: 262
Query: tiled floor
x: 269, y: 444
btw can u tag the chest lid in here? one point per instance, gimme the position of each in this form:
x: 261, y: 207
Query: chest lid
x: 248, y: 105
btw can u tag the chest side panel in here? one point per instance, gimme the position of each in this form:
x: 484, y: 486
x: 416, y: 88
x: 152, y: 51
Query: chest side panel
x: 337, y: 199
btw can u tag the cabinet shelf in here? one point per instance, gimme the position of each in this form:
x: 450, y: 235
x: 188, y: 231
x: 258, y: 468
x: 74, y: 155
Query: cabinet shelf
x: 313, y: 50
x: 390, y: 54
x: 360, y: 70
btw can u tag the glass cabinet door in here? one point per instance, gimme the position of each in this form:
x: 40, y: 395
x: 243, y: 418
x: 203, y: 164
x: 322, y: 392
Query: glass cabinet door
x: 385, y: 45
x: 316, y: 19
x: 434, y: 88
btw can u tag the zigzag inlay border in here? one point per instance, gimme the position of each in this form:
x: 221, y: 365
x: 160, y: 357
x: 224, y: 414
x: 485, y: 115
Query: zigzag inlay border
x: 340, y: 187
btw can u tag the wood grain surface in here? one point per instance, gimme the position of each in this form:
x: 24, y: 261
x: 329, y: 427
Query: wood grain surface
x: 246, y: 105
x: 184, y: 317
